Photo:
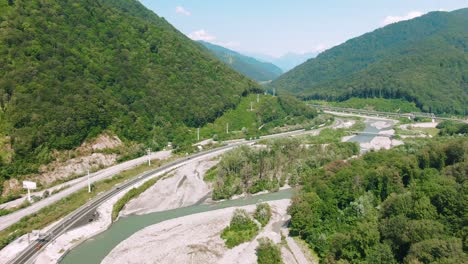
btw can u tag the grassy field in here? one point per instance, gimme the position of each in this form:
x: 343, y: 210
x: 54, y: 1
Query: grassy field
x: 330, y: 135
x: 248, y: 119
x: 428, y: 130
x: 236, y: 119
x: 52, y: 213
x: 417, y: 131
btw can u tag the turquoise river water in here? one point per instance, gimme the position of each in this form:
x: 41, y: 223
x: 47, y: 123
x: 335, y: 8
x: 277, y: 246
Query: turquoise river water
x: 96, y: 249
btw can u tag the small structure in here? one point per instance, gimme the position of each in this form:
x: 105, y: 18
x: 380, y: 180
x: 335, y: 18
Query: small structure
x: 30, y: 186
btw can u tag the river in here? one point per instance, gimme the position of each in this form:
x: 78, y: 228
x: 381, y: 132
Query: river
x: 96, y: 249
x: 369, y: 133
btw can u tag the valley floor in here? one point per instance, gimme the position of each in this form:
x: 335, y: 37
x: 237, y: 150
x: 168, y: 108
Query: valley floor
x: 196, y: 239
x: 190, y: 239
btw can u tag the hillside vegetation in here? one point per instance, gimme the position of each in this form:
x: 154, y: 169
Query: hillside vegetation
x: 252, y: 119
x: 375, y: 104
x: 248, y: 66
x: 271, y: 166
x: 405, y: 205
x: 423, y: 60
x: 72, y: 69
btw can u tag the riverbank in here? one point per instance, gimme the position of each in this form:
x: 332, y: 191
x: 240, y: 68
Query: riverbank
x: 182, y: 187
x: 191, y: 188
x: 196, y: 239
x: 383, y: 128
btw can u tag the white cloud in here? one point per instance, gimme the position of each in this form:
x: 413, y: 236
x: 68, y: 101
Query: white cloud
x: 201, y: 35
x: 394, y: 19
x: 205, y: 36
x: 182, y: 11
x: 320, y: 48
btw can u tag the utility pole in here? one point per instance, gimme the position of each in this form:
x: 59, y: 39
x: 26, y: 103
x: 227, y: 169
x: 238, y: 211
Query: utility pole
x: 251, y: 106
x: 89, y: 183
x: 274, y: 91
x: 198, y: 134
x: 148, y: 150
x: 258, y: 98
x: 227, y: 128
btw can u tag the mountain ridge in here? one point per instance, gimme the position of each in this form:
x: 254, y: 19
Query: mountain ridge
x: 412, y: 59
x: 73, y: 69
x: 248, y: 66
x: 287, y: 61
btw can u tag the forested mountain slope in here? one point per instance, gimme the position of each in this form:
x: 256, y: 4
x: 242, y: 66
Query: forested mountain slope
x: 424, y: 60
x: 250, y: 67
x: 71, y: 69
x: 405, y: 205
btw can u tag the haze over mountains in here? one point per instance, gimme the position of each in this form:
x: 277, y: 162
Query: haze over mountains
x: 250, y: 67
x: 72, y: 69
x: 287, y: 61
x: 424, y: 60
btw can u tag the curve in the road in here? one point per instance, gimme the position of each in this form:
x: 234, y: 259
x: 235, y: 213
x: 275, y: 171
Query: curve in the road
x: 65, y: 224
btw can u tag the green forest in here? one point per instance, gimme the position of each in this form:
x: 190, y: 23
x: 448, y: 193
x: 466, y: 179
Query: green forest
x: 73, y: 69
x: 251, y: 119
x: 271, y: 166
x: 423, y: 60
x: 375, y: 104
x: 405, y: 205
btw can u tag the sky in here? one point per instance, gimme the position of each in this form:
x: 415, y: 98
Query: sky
x: 277, y: 27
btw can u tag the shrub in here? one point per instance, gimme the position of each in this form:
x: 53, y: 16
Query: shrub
x: 241, y: 229
x: 134, y: 192
x: 263, y: 213
x: 268, y: 252
x: 211, y: 175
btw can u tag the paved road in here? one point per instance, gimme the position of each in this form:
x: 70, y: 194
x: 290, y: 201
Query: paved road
x: 65, y: 224
x: 383, y: 114
x: 29, y: 254
x: 99, y: 175
x: 75, y: 185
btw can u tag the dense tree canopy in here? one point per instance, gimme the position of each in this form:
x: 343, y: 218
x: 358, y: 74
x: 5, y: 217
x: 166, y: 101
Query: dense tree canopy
x: 402, y: 205
x: 250, y: 67
x: 423, y: 60
x: 71, y: 69
x: 271, y: 166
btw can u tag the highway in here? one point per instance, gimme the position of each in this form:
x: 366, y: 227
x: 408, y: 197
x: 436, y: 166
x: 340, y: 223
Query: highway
x: 29, y: 254
x: 74, y: 186
x: 384, y: 114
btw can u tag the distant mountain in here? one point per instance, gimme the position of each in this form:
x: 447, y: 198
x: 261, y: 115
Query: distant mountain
x: 287, y: 61
x: 250, y: 67
x: 423, y: 60
x: 71, y: 69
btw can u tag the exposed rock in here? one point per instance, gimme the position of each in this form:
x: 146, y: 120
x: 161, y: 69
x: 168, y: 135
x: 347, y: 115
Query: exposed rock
x: 11, y: 186
x: 75, y: 166
x: 104, y: 141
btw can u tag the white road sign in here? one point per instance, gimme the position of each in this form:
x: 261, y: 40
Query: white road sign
x: 29, y: 185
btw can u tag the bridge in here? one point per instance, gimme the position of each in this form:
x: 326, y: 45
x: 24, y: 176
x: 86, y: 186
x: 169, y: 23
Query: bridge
x: 431, y: 116
x: 371, y: 134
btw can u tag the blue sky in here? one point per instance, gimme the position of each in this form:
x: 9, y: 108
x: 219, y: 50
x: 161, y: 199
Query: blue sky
x: 278, y: 27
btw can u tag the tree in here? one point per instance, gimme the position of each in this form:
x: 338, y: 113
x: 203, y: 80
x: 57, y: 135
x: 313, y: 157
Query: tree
x: 263, y: 213
x: 268, y: 252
